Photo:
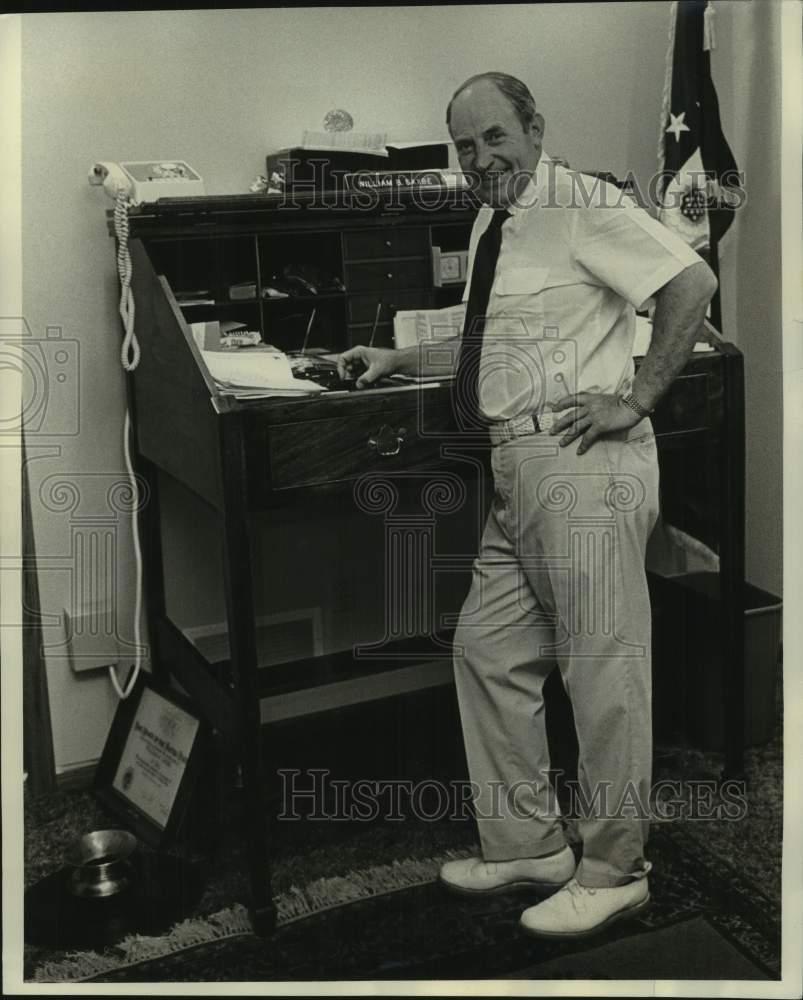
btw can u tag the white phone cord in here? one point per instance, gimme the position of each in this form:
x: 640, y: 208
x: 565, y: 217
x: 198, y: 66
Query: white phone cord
x: 129, y: 357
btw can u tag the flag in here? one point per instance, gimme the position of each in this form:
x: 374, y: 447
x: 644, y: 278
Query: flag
x: 701, y: 185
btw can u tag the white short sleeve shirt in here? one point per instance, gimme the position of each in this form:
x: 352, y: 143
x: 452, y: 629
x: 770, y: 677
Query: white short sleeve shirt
x: 578, y: 258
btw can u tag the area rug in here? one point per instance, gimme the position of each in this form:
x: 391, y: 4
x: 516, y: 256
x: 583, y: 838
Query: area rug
x: 298, y: 903
x: 395, y: 923
x: 358, y: 901
x: 691, y: 946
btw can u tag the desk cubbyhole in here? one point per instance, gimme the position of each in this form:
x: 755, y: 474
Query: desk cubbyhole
x: 449, y: 295
x: 286, y: 322
x: 245, y: 313
x: 300, y: 265
x: 368, y: 335
x: 211, y: 272
x: 449, y: 263
x: 451, y: 236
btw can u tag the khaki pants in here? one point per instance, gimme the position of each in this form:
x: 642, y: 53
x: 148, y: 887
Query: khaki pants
x: 560, y: 580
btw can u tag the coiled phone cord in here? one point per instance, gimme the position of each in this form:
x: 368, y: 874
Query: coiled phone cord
x: 129, y: 354
x: 129, y: 358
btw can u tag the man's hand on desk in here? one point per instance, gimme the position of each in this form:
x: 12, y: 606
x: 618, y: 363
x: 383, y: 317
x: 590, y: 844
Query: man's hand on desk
x: 592, y: 415
x: 367, y: 364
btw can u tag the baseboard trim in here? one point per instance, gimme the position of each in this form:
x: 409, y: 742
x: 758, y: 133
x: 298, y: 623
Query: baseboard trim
x: 77, y: 779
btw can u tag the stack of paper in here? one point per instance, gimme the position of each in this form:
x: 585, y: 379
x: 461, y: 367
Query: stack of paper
x: 352, y: 142
x: 251, y: 373
x: 412, y: 326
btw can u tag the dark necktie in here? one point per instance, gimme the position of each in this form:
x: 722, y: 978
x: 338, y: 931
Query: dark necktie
x: 466, y: 384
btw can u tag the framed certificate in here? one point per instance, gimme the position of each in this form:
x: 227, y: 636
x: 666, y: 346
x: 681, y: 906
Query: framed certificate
x: 150, y: 761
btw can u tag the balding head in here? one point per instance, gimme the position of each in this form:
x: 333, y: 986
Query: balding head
x: 513, y: 89
x: 494, y: 146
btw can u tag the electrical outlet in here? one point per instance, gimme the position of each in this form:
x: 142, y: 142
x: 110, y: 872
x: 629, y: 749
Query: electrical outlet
x: 91, y: 639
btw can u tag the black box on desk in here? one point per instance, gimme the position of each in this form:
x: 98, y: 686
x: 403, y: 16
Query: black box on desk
x: 324, y: 170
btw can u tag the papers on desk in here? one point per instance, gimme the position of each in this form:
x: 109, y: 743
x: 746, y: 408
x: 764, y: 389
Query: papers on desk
x: 251, y: 373
x: 412, y: 326
x: 643, y: 337
x: 247, y: 372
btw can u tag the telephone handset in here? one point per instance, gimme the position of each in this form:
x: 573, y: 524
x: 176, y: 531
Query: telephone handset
x: 147, y: 180
x: 111, y: 176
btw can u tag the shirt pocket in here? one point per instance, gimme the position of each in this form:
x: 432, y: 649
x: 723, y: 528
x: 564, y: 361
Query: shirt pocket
x: 519, y: 291
x: 522, y: 281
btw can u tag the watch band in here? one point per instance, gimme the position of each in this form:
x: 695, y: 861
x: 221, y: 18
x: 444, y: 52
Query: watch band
x: 630, y: 400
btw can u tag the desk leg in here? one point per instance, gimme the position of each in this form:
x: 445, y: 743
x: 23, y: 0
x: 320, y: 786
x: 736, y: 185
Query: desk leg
x: 242, y: 639
x: 732, y: 511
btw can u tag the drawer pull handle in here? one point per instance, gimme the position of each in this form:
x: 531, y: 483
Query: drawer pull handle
x: 388, y: 243
x: 390, y: 274
x: 387, y: 441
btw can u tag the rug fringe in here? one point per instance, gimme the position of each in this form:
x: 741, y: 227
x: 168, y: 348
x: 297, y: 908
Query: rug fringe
x: 378, y: 880
x: 295, y: 904
x: 136, y: 948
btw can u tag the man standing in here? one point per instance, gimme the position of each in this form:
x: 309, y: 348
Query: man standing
x: 559, y: 265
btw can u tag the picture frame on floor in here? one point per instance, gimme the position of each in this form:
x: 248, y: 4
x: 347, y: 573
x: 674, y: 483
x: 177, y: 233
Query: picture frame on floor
x: 150, y: 762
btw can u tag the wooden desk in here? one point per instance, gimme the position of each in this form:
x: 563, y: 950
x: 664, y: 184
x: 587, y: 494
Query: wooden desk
x: 244, y: 457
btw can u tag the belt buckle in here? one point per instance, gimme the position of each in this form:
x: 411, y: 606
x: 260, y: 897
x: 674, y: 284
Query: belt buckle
x: 518, y: 427
x: 522, y: 427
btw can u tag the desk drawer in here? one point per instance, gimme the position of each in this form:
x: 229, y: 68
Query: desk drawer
x: 388, y: 275
x: 370, y: 244
x: 340, y: 449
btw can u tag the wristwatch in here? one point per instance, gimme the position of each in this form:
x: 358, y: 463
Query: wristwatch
x: 630, y: 400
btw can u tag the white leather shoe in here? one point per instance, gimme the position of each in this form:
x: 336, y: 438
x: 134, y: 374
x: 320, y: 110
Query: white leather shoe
x: 578, y: 910
x: 473, y: 876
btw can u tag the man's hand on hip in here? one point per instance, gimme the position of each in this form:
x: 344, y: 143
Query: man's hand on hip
x: 592, y: 416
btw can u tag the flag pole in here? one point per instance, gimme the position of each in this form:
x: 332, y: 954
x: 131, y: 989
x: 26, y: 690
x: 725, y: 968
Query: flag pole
x: 709, y: 43
x: 690, y: 113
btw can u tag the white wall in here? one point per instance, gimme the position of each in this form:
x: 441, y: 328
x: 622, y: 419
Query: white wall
x: 220, y: 89
x: 747, y: 72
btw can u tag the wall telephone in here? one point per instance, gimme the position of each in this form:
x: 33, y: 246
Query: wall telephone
x: 131, y: 184
x: 147, y: 180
